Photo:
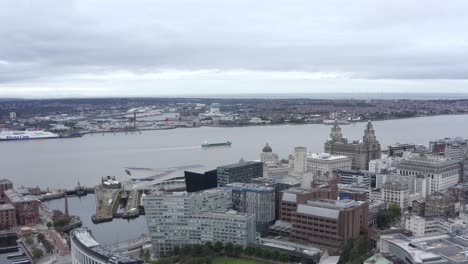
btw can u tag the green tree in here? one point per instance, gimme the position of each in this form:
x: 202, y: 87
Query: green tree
x: 276, y: 255
x: 187, y: 250
x: 355, y: 251
x: 267, y: 254
x: 259, y: 252
x: 250, y: 250
x: 49, y: 224
x: 229, y: 249
x: 37, y: 253
x: 40, y: 236
x: 198, y: 250
x: 176, y: 251
x: 209, y: 245
x: 29, y: 240
x: 395, y: 210
x: 141, y: 253
x: 238, y: 249
x: 218, y: 247
x: 284, y: 257
x: 147, y: 255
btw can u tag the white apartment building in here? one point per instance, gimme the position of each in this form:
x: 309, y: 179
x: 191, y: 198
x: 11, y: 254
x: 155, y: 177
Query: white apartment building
x: 181, y: 218
x: 396, y: 192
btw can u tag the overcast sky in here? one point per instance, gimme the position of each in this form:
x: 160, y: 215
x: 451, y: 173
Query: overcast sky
x: 65, y: 48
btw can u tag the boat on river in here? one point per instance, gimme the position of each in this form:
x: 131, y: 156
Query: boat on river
x: 207, y: 145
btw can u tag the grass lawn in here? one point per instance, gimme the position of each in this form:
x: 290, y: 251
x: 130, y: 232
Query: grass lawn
x: 228, y: 260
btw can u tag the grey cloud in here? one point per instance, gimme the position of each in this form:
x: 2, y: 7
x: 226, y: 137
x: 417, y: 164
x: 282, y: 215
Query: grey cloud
x: 44, y: 40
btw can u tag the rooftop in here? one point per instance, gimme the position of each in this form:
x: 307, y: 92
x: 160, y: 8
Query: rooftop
x: 326, y: 156
x: 16, y: 197
x: 254, y: 187
x: 85, y: 238
x: 239, y: 164
x: 428, y: 160
x: 5, y: 181
x: 395, y: 185
x: 6, y: 207
x: 377, y: 260
x: 430, y: 249
x: 224, y: 213
x: 334, y: 204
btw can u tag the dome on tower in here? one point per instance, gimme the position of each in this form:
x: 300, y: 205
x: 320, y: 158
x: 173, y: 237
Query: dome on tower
x: 267, y: 148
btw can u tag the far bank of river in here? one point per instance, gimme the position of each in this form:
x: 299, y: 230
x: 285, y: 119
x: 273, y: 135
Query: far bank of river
x: 64, y: 163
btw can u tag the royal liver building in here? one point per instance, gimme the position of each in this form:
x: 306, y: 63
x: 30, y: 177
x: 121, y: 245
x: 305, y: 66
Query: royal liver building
x: 361, y: 152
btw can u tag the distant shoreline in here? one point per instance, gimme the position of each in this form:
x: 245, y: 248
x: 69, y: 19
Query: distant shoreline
x: 274, y: 96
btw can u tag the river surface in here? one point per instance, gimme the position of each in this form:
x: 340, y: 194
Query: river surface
x: 62, y: 163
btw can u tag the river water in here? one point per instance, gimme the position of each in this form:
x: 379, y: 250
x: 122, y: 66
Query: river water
x: 62, y: 163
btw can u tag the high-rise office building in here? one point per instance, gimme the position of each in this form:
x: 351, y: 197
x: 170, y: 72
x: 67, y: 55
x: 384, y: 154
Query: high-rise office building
x: 254, y: 199
x: 244, y: 171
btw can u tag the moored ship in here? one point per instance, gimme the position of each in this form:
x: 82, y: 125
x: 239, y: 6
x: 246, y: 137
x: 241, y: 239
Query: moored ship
x: 26, y: 135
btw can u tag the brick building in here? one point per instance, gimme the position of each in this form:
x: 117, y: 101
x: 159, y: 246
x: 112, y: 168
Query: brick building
x: 291, y: 198
x: 7, y: 216
x: 27, y: 207
x: 5, y: 185
x: 330, y: 222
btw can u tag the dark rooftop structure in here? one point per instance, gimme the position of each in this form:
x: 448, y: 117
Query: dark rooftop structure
x: 11, y: 252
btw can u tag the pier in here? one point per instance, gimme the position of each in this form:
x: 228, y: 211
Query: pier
x: 107, y: 203
x: 132, y: 207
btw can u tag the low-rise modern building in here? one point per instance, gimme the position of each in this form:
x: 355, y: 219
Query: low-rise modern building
x: 27, y: 207
x: 357, y: 177
x: 357, y: 192
x: 244, y: 171
x: 12, y: 252
x: 428, y: 225
x: 298, y: 253
x: 437, y: 248
x: 255, y: 199
x: 7, y: 216
x: 398, y: 150
x: 86, y: 250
